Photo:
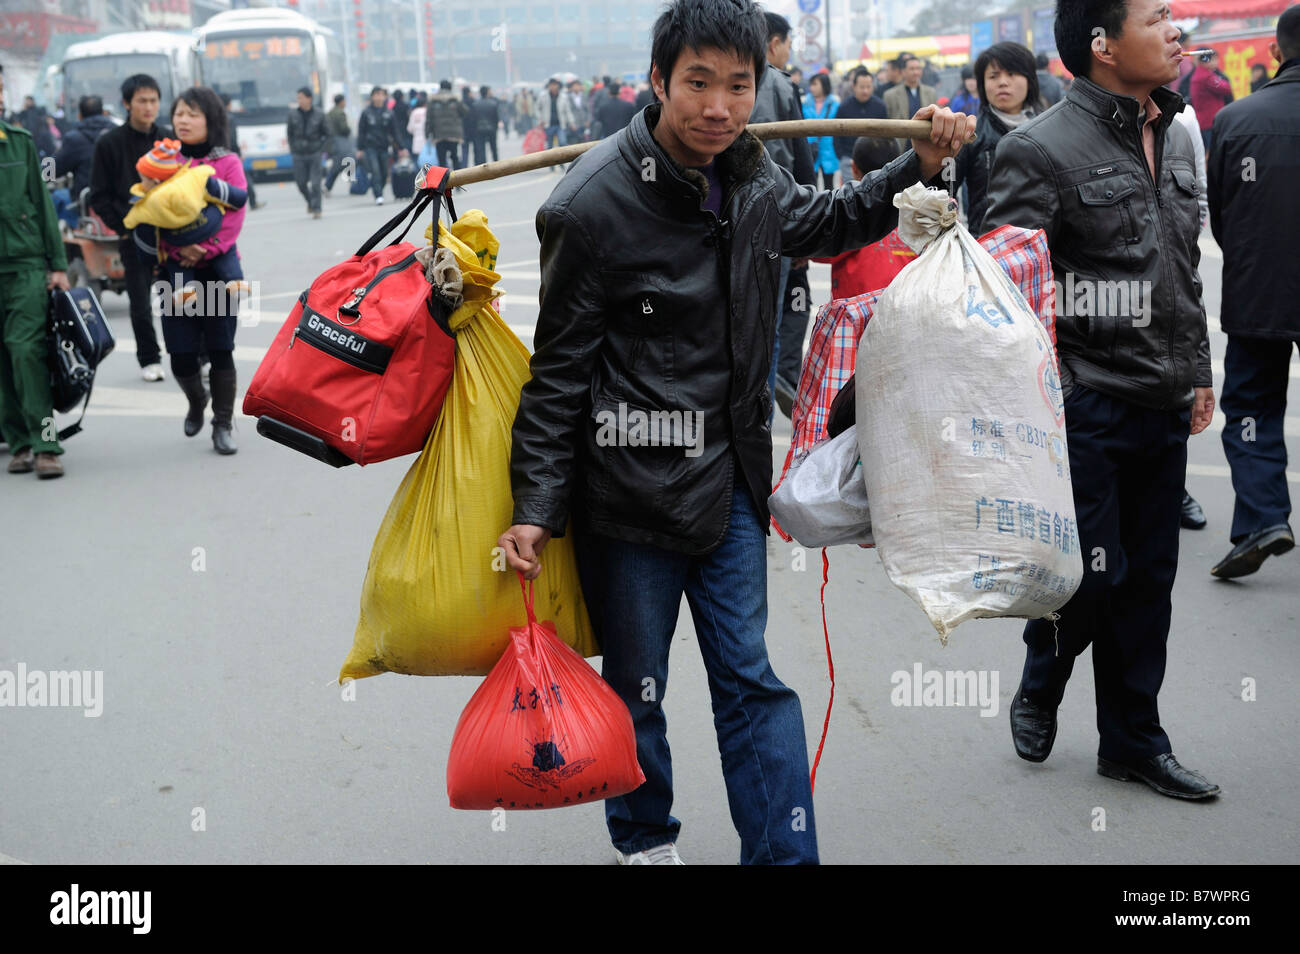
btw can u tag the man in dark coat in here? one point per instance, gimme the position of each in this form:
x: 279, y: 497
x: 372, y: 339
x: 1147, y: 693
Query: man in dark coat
x: 308, y: 135
x: 112, y: 173
x: 77, y: 153
x: 376, y: 135
x: 677, y: 314
x: 612, y: 112
x: 1254, y: 214
x: 486, y: 112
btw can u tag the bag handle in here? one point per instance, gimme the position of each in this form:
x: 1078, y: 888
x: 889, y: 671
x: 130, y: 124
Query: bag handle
x: 528, y: 597
x: 432, y: 187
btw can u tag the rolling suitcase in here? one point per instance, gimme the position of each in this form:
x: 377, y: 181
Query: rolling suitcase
x: 403, y: 177
x: 360, y: 180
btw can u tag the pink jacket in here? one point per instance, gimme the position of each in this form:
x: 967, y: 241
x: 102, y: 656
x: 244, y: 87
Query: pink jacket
x: 226, y: 165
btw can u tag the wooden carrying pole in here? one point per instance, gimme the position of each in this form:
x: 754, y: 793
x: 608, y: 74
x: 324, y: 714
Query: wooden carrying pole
x: 792, y: 129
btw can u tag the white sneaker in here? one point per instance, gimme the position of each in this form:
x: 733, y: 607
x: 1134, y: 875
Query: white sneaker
x: 658, y: 855
x: 152, y: 372
x: 379, y: 200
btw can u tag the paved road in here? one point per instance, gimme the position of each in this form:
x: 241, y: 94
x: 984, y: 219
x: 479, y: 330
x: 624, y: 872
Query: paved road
x: 219, y: 690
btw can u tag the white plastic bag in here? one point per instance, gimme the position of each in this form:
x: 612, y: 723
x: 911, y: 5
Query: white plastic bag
x: 961, y: 429
x: 823, y: 500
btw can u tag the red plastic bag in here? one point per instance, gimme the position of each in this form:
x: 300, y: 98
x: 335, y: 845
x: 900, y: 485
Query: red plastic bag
x: 534, y: 140
x: 543, y: 731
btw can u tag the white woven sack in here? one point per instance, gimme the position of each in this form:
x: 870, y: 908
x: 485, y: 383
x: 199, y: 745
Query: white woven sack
x: 961, y: 430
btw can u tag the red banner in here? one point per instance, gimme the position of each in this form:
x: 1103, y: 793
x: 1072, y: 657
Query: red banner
x: 31, y: 31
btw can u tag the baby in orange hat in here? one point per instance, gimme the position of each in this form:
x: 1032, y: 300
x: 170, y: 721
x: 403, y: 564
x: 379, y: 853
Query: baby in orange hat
x: 159, y: 166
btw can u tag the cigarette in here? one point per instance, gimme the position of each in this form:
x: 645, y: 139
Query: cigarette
x: 1196, y: 52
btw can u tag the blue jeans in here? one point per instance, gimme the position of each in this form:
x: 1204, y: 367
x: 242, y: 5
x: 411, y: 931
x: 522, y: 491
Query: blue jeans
x: 776, y: 335
x: 556, y: 136
x: 633, y: 593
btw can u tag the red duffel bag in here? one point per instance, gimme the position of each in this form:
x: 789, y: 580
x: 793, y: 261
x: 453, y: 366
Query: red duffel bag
x: 543, y: 731
x: 359, y: 371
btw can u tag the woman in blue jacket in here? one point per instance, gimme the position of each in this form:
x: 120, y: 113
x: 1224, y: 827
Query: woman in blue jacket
x: 821, y: 103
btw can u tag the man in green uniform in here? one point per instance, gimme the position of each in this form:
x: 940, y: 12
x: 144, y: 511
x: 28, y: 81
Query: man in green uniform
x: 30, y: 247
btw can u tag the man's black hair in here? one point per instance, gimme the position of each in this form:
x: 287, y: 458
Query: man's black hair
x: 1013, y: 58
x: 872, y: 154
x: 133, y: 84
x: 1288, y: 33
x: 339, y: 98
x: 306, y: 91
x: 483, y: 91
x: 733, y: 26
x: 1075, y: 21
x: 1041, y: 61
x: 378, y: 89
x: 90, y: 106
x: 444, y: 84
x: 209, y: 104
x: 778, y: 27
x: 860, y: 71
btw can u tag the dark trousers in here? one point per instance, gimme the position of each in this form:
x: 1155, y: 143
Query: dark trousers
x: 448, y: 153
x: 1127, y: 465
x: 307, y: 174
x: 340, y: 152
x: 1255, y: 373
x: 139, y: 269
x: 482, y: 143
x: 376, y: 161
x: 794, y: 324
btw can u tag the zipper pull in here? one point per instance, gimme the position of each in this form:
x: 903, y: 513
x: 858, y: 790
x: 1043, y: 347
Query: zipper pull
x: 292, y: 338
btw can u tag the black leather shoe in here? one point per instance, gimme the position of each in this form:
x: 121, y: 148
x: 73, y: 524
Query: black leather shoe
x: 1164, y: 774
x: 1033, y: 728
x: 1193, y: 516
x: 1247, y: 556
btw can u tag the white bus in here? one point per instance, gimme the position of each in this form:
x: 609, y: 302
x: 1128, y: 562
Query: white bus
x: 260, y: 58
x: 98, y: 67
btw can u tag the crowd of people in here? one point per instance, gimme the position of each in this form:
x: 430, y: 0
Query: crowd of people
x: 1115, y: 167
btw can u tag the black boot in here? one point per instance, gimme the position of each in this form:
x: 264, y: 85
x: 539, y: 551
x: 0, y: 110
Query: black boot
x: 198, y: 398
x: 223, y: 410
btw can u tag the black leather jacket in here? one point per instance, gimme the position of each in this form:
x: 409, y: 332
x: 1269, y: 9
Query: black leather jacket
x: 653, y: 304
x: 1079, y: 172
x: 307, y: 132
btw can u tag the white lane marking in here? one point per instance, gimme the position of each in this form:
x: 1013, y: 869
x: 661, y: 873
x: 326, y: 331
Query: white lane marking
x: 10, y: 860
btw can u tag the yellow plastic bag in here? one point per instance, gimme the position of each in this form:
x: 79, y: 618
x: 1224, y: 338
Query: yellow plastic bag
x: 172, y: 204
x: 437, y: 599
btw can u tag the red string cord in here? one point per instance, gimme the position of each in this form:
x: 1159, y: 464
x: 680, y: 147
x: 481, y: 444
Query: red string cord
x: 830, y: 665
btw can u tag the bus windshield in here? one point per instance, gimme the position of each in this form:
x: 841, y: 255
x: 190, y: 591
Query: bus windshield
x: 102, y: 76
x: 260, y: 72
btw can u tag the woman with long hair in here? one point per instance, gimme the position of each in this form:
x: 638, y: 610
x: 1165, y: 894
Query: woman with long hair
x: 821, y: 103
x: 1006, y: 78
x: 206, y: 322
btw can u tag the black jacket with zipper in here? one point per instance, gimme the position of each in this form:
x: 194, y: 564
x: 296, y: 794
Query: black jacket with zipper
x: 1124, y: 246
x: 113, y: 172
x: 1254, y: 189
x: 653, y: 304
x: 308, y: 131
